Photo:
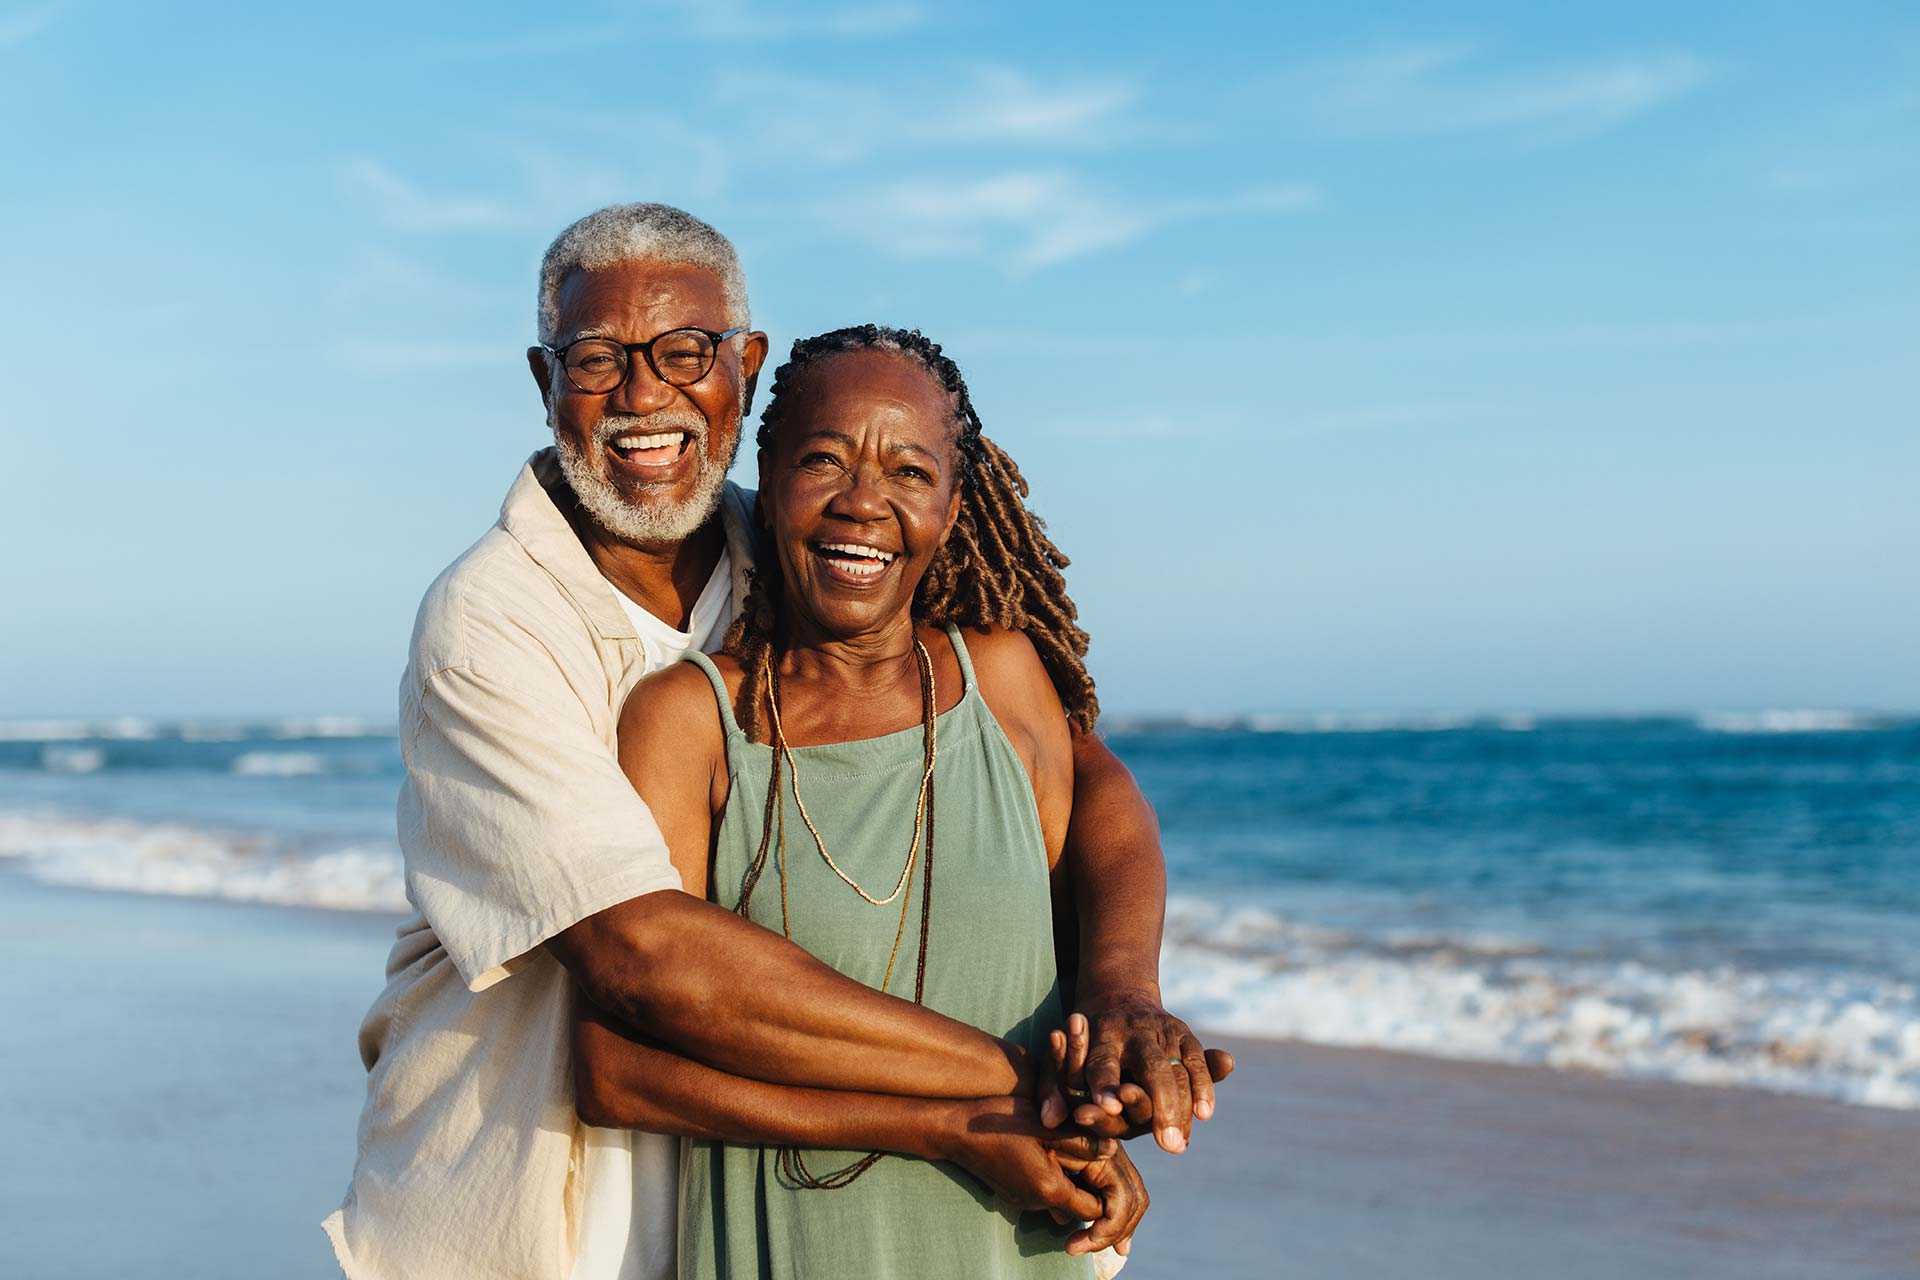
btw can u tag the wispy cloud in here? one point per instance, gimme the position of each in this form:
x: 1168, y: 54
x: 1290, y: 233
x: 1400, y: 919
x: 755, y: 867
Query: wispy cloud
x: 24, y: 24
x: 1128, y: 422
x: 739, y: 20
x: 652, y: 21
x: 867, y: 21
x: 411, y: 355
x: 399, y: 203
x: 381, y: 276
x: 1025, y: 220
x: 1450, y: 88
x: 1000, y: 104
x: 840, y: 122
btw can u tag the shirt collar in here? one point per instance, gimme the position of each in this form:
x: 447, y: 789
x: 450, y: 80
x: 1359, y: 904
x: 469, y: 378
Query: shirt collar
x: 533, y: 516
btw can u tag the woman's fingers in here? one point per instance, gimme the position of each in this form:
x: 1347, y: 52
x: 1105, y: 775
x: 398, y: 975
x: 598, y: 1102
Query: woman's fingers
x: 1093, y: 1120
x: 1198, y: 1077
x: 1049, y: 1089
x: 1079, y: 1042
x: 1164, y: 1076
x: 1103, y: 1073
x: 1136, y: 1114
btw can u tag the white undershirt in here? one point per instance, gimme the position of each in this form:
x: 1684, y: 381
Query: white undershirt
x: 665, y: 644
x: 630, y: 1210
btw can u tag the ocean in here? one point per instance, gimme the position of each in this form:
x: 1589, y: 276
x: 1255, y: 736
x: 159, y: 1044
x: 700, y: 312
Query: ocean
x: 1724, y: 899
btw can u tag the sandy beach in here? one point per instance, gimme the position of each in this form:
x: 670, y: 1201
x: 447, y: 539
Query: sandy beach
x: 181, y: 1086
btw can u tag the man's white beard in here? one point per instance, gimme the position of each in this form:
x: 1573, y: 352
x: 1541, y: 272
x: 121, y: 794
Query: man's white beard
x: 654, y: 522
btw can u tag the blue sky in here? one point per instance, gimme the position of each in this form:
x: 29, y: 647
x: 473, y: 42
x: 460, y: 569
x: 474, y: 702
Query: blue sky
x: 1443, y: 356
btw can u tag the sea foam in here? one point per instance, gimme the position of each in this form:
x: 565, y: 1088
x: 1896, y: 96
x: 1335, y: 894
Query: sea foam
x: 1854, y: 1037
x: 1783, y: 720
x: 279, y: 764
x: 183, y: 860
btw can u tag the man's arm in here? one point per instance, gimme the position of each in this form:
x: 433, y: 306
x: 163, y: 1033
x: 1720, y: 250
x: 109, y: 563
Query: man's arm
x: 738, y: 997
x: 727, y: 992
x: 623, y: 1082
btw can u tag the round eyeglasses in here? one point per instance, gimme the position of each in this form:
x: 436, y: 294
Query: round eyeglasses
x: 678, y: 357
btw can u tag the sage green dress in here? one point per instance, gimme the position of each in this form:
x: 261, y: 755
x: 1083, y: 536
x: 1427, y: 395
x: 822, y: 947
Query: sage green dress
x: 989, y: 963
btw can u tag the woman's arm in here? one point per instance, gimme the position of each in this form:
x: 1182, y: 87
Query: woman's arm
x: 1111, y: 875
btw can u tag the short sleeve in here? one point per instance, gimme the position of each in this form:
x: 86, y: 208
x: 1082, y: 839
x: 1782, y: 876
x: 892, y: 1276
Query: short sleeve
x: 516, y: 821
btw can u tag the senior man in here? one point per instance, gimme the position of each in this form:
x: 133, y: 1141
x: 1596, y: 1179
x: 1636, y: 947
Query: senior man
x: 533, y: 866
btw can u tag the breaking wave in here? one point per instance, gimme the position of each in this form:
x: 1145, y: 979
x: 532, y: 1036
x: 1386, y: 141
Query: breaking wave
x: 189, y: 861
x: 1854, y: 1037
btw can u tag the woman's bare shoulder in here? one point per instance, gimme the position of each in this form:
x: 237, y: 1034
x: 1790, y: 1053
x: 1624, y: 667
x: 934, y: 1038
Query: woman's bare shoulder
x: 673, y: 707
x: 1013, y: 679
x: 1004, y: 658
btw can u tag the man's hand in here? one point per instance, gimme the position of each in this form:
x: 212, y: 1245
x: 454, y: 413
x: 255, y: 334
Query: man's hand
x: 1135, y: 1065
x: 1124, y: 1196
x: 1002, y: 1142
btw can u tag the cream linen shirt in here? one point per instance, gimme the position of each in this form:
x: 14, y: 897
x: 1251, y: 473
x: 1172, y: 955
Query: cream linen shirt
x: 515, y: 822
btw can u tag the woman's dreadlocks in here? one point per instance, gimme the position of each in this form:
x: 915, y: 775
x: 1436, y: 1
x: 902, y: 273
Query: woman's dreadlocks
x: 997, y: 568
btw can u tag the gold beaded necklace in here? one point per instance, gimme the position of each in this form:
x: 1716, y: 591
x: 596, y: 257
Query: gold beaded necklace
x: 790, y: 1162
x: 927, y: 697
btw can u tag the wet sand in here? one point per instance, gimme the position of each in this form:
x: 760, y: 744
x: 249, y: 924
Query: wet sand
x: 1338, y: 1163
x: 180, y: 1087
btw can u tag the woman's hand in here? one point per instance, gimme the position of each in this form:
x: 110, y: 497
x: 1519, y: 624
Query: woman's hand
x: 1131, y: 1065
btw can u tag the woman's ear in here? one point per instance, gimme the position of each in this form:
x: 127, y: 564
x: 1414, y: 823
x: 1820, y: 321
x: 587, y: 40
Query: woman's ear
x: 953, y: 512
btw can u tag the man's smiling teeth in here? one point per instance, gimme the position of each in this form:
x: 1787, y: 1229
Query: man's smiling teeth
x: 659, y: 440
x: 852, y: 558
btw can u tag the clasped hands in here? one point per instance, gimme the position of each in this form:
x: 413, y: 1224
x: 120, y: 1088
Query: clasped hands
x: 1123, y: 1068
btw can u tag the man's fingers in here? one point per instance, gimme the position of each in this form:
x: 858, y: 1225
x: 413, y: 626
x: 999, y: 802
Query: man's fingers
x: 1198, y: 1077
x: 1070, y: 1197
x: 1124, y: 1200
x: 1124, y: 1167
x: 1219, y: 1064
x: 1076, y: 1150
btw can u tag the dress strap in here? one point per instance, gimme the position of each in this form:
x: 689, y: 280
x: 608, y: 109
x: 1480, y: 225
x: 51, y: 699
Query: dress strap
x: 719, y: 684
x: 966, y: 660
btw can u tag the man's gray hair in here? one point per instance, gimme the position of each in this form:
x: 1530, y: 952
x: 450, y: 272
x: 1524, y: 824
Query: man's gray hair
x: 625, y: 232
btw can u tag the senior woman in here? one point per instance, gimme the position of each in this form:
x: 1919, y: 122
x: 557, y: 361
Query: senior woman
x: 891, y: 792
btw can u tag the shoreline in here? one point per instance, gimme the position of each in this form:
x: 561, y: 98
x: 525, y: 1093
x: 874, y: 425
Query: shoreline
x: 359, y: 916
x: 190, y: 1076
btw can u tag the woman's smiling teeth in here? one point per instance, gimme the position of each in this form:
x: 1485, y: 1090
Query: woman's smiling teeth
x: 853, y: 558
